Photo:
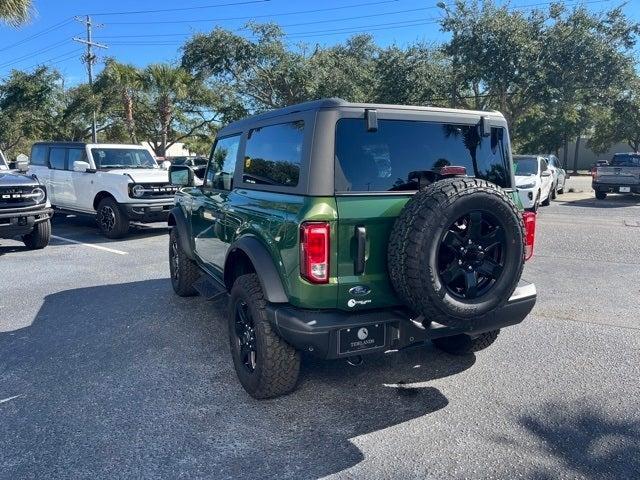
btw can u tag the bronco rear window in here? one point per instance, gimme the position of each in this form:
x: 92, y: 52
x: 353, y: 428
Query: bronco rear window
x: 386, y: 159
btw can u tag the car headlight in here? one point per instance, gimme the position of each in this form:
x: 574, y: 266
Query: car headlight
x: 138, y: 190
x: 39, y: 194
x: 524, y: 186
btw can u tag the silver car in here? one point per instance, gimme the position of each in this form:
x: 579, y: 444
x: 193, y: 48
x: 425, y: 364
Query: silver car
x: 559, y: 175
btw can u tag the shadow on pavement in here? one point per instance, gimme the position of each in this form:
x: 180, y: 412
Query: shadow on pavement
x: 83, y: 228
x: 130, y: 381
x: 612, y: 201
x: 4, y: 249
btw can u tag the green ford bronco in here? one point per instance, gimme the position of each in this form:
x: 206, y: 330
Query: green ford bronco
x: 340, y: 229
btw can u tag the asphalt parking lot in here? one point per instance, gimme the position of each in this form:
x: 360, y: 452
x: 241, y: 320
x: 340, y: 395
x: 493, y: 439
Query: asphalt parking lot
x: 104, y: 373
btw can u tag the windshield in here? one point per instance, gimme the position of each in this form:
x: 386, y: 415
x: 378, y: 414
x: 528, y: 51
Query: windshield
x: 525, y: 165
x: 3, y: 162
x: 123, y: 158
x: 400, y: 152
x: 626, y: 160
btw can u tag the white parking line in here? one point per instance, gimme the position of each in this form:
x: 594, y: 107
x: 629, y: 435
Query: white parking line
x: 5, y: 400
x: 97, y: 247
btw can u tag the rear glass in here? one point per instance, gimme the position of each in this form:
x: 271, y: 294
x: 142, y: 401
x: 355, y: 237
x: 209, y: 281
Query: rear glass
x: 387, y: 159
x: 626, y: 160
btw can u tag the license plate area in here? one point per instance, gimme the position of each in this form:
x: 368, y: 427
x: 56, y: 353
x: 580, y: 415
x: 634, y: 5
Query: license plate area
x: 625, y: 189
x: 360, y: 339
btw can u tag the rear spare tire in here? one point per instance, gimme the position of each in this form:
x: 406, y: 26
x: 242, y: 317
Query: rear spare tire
x: 456, y: 252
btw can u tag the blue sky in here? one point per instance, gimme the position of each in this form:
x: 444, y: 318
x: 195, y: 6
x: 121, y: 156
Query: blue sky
x: 154, y: 36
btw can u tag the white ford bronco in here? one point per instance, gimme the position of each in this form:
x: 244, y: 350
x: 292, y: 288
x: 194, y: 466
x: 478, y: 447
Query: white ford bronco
x: 116, y: 183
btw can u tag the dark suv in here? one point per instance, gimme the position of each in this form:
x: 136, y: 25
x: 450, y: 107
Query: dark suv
x: 341, y: 229
x: 24, y: 208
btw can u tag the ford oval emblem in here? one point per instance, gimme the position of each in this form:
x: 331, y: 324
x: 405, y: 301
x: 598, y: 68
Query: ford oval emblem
x: 359, y: 291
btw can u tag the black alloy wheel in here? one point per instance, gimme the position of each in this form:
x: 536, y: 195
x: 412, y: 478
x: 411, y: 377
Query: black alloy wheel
x: 107, y: 218
x: 471, y: 255
x: 246, y: 336
x: 174, y: 258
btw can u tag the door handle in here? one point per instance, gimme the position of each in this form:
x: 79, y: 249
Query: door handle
x: 361, y: 245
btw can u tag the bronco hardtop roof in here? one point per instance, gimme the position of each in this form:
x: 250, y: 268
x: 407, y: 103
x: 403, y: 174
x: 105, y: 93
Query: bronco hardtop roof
x: 88, y: 144
x: 338, y: 103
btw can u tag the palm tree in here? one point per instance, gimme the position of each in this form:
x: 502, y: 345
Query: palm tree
x: 165, y: 86
x: 15, y: 12
x: 128, y: 81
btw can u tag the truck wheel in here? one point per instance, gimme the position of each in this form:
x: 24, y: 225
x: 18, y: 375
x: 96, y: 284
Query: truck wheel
x: 39, y: 236
x: 456, y: 251
x: 266, y: 365
x: 184, y: 271
x: 464, y: 344
x: 601, y: 195
x: 112, y: 221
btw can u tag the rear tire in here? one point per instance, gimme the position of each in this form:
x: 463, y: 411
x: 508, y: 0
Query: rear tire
x: 112, y: 221
x: 184, y: 271
x: 39, y: 236
x: 265, y: 364
x: 601, y: 195
x: 464, y: 344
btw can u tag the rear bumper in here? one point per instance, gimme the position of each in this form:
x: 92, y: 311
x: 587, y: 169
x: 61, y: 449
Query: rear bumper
x: 317, y: 331
x: 17, y: 222
x: 614, y: 187
x: 149, y: 212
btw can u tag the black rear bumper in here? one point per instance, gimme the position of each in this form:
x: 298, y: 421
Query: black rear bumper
x: 614, y: 187
x: 20, y: 221
x: 317, y: 331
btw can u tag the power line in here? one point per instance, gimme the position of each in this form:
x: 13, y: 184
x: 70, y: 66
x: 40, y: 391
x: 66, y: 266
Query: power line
x: 38, y: 34
x: 70, y: 54
x: 201, y: 7
x: 31, y: 54
x: 251, y: 17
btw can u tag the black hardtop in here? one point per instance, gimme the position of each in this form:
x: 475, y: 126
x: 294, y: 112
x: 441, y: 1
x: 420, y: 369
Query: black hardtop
x: 61, y: 143
x: 339, y: 103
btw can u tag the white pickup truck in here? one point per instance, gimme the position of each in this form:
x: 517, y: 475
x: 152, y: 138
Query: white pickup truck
x: 116, y: 183
x: 621, y: 175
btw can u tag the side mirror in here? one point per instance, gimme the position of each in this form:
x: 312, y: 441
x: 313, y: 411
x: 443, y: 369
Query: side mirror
x: 166, y: 164
x: 181, y: 176
x: 80, y: 166
x: 22, y: 163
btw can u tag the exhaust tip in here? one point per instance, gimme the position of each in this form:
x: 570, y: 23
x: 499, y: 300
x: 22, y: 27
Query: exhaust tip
x: 355, y: 361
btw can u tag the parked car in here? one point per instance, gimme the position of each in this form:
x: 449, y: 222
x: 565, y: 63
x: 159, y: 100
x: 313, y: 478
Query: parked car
x: 534, y: 180
x: 198, y: 164
x: 116, y: 183
x: 559, y: 175
x: 25, y: 211
x: 342, y: 229
x: 622, y: 175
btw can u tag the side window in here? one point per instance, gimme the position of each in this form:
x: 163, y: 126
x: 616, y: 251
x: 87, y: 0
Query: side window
x: 56, y: 158
x: 76, y: 155
x: 273, y: 155
x: 223, y: 163
x: 38, y: 155
x: 543, y: 165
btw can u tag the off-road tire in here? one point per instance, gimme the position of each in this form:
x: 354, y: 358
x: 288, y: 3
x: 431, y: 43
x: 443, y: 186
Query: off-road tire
x: 118, y: 226
x: 184, y: 271
x: 39, y: 237
x: 277, y: 363
x: 416, y: 238
x: 601, y: 195
x: 464, y: 344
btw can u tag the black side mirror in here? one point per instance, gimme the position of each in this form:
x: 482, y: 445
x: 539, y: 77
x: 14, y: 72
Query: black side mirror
x: 181, y: 176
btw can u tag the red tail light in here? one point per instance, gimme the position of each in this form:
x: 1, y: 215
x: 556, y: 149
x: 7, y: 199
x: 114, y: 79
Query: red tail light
x: 529, y: 233
x: 453, y: 170
x: 314, y: 251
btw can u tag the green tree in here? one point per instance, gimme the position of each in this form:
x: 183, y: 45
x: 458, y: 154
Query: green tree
x: 15, y: 12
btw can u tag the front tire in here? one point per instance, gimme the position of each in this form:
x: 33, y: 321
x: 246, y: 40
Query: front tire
x: 112, y: 221
x: 601, y: 195
x: 184, y: 271
x: 554, y: 192
x: 265, y: 364
x: 39, y: 236
x: 464, y: 344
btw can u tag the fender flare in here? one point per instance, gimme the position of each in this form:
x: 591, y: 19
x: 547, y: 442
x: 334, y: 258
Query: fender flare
x: 263, y: 264
x: 178, y: 220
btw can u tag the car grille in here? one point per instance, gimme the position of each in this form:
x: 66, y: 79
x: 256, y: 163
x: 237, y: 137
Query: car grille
x: 18, y: 197
x: 154, y: 190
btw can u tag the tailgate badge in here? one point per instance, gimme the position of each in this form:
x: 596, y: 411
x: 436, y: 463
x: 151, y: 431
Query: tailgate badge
x: 359, y: 291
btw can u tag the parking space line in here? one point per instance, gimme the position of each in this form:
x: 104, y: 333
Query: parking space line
x: 97, y: 247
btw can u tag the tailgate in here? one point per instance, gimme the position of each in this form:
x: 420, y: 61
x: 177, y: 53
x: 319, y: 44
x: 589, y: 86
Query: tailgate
x: 374, y: 216
x: 618, y: 175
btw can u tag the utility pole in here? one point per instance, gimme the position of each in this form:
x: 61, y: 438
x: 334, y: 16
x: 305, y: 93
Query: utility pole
x: 90, y: 59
